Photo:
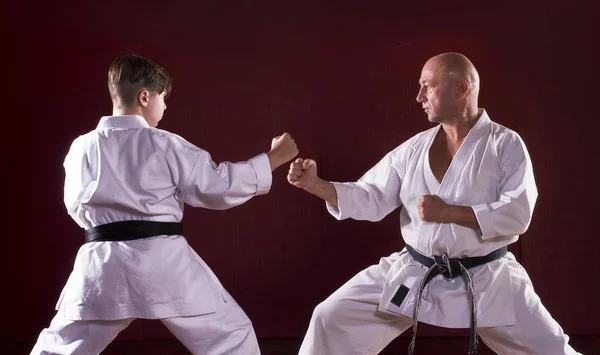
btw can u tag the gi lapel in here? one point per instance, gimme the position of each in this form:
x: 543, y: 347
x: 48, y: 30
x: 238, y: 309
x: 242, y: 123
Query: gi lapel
x: 466, y: 150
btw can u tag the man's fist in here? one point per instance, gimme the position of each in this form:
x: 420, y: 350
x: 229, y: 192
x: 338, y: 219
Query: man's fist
x: 303, y: 173
x: 432, y: 209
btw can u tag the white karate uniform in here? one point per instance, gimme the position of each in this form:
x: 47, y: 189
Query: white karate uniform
x: 492, y: 173
x: 125, y: 170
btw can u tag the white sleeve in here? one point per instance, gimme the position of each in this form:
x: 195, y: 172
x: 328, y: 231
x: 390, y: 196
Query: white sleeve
x: 203, y: 183
x: 511, y: 214
x: 81, y: 176
x: 373, y: 196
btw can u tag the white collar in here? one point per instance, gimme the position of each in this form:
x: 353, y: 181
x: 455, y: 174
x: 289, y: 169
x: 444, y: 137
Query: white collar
x: 122, y: 122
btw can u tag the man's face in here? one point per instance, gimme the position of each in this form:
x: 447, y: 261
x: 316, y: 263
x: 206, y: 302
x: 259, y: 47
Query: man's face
x: 435, y: 93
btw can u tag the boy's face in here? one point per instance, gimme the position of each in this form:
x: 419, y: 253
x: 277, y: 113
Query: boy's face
x: 154, y: 107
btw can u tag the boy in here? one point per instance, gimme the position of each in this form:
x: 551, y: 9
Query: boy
x: 126, y: 183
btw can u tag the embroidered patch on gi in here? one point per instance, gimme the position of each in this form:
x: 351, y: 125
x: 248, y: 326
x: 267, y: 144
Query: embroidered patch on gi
x: 400, y: 295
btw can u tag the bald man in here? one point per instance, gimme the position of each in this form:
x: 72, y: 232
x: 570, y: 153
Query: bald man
x: 466, y: 190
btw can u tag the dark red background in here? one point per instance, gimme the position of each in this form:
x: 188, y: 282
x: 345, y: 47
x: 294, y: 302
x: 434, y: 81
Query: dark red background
x: 342, y: 79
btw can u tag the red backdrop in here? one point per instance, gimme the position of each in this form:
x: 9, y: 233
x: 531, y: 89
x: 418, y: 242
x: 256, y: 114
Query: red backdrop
x: 342, y: 79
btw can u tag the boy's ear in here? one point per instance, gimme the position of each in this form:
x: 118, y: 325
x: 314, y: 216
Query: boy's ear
x: 143, y: 97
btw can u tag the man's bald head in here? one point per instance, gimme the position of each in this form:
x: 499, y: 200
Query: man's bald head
x: 456, y: 67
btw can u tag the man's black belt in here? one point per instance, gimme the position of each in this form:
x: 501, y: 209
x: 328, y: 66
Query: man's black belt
x: 131, y: 230
x: 451, y: 268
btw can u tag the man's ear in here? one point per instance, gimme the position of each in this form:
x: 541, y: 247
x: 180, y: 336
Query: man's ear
x: 143, y: 97
x: 462, y: 88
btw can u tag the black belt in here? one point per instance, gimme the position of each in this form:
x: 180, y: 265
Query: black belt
x: 131, y: 230
x: 451, y: 268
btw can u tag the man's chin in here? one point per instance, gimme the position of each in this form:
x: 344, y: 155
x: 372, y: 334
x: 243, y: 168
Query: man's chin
x: 433, y: 119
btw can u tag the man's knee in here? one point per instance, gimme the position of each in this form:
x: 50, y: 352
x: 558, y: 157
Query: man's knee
x: 329, y: 311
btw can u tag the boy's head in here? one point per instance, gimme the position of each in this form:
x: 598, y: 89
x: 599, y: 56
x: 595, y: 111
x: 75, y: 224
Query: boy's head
x: 139, y: 86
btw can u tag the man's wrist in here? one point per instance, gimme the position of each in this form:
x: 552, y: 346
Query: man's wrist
x: 313, y: 188
x: 449, y: 214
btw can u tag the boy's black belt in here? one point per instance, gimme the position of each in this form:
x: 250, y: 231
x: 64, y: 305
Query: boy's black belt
x: 131, y: 230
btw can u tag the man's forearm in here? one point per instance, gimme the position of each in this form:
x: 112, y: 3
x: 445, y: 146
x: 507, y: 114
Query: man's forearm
x: 325, y: 190
x: 463, y: 215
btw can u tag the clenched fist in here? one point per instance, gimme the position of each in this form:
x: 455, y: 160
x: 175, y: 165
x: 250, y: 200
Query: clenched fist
x: 303, y: 173
x: 432, y: 209
x: 283, y: 149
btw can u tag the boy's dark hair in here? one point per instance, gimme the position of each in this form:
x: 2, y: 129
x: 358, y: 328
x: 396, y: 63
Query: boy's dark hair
x: 128, y: 74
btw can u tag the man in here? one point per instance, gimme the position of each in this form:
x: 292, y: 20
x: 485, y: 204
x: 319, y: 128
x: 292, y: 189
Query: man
x: 467, y: 190
x: 126, y: 184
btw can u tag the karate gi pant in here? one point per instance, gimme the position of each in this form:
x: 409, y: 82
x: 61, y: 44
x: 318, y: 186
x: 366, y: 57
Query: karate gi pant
x: 348, y: 322
x: 227, y: 331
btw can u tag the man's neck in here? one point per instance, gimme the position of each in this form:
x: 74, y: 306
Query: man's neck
x: 457, y: 128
